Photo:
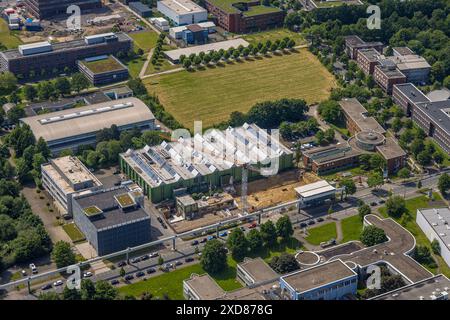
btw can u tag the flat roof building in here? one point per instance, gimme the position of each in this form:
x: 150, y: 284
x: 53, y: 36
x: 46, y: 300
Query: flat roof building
x: 182, y: 12
x: 406, y: 95
x: 103, y: 70
x: 44, y: 9
x: 141, y: 9
x: 315, y: 193
x: 357, y: 118
x: 386, y: 75
x: 354, y: 43
x: 435, y: 225
x: 202, y: 287
x: 73, y: 127
x: 255, y: 271
x: 33, y: 60
x: 329, y: 281
x: 65, y: 177
x: 112, y: 219
x: 414, y: 67
x: 324, y: 160
x: 434, y: 288
x: 198, y: 163
x: 367, y: 59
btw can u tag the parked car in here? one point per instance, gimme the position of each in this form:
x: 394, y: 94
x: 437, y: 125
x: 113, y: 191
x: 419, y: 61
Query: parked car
x: 311, y: 222
x: 140, y: 274
x: 251, y: 226
x: 373, y: 204
x: 164, y: 225
x: 33, y: 268
x: 319, y: 219
x: 381, y: 201
x: 135, y: 260
x: 114, y: 282
x: 243, y: 228
x: 151, y: 270
x: 145, y: 257
x: 46, y: 286
x: 209, y: 238
x: 122, y: 264
x: 223, y: 234
x: 129, y: 277
x: 194, y: 243
x: 87, y: 274
x: 178, y: 263
x: 154, y: 254
x: 24, y: 273
x: 203, y: 240
x: 189, y: 259
x: 159, y: 219
x: 303, y: 225
x: 58, y: 283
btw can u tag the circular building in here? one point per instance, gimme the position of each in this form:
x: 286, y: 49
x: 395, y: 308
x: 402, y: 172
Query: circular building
x: 368, y: 140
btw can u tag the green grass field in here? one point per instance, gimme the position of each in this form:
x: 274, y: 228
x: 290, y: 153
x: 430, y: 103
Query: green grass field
x: 73, y: 232
x: 145, y: 40
x: 323, y: 233
x: 135, y: 65
x: 211, y: 95
x: 351, y: 228
x: 6, y: 38
x: 273, y: 35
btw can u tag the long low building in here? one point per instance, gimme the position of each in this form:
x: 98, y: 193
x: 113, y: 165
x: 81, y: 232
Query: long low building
x: 315, y: 193
x: 182, y: 12
x: 174, y: 55
x: 198, y: 163
x: 31, y: 60
x: 70, y: 128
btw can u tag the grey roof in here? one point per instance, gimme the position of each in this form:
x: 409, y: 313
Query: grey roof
x: 370, y: 53
x: 438, y: 219
x: 389, y: 69
x: 403, y: 51
x: 326, y: 154
x: 258, y: 270
x: 422, y: 290
x: 438, y: 112
x: 204, y: 287
x: 439, y: 95
x: 411, y: 92
x: 112, y: 214
x: 88, y: 119
x: 356, y: 111
x: 390, y: 149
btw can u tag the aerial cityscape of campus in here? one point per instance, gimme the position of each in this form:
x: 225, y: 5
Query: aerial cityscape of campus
x: 267, y: 150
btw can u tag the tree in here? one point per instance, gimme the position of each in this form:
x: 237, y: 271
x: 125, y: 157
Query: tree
x: 137, y: 86
x: 320, y: 137
x: 30, y: 92
x: 42, y: 148
x: 372, y: 235
x: 187, y: 63
x: 15, y: 114
x: 8, y: 83
x: 396, y: 124
x: 71, y: 294
x: 79, y: 82
x: 375, y: 179
x: 436, y: 247
x: 391, y: 282
x: 404, y: 173
x: 62, y: 86
x: 444, y: 183
x: 364, y: 210
x: 348, y: 185
x: 268, y: 233
x: 422, y: 255
x: 254, y: 239
x: 396, y: 206
x: 377, y: 162
x: 330, y: 111
x: 46, y: 90
x: 63, y: 255
x: 284, y: 227
x: 104, y: 291
x: 51, y: 295
x: 214, y: 256
x: 284, y: 263
x: 122, y: 272
x: 237, y: 243
x: 87, y: 289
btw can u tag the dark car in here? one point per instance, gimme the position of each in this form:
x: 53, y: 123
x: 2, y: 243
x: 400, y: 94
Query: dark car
x: 373, y: 204
x: 311, y: 222
x: 303, y: 225
x: 203, y: 240
x: 243, y: 228
x: 121, y: 264
x: 381, y: 201
x: 319, y: 219
x: 140, y: 274
x: 190, y: 259
x: 145, y: 257
x: 114, y: 282
x: 194, y: 243
x: 129, y: 277
x: 164, y: 225
x: 151, y: 270
x: 178, y: 263
x: 135, y: 260
x: 46, y: 286
x: 159, y: 219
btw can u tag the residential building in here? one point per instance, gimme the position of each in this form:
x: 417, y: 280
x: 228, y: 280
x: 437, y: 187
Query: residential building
x: 103, y: 70
x: 203, y: 161
x: 354, y: 43
x: 112, y: 219
x: 357, y: 118
x: 182, y: 12
x: 407, y: 95
x: 315, y: 193
x: 65, y: 177
x: 386, y: 75
x: 255, y: 271
x: 434, y: 288
x: 70, y: 128
x: 201, y: 287
x: 325, y: 160
x: 44, y: 9
x: 141, y: 9
x: 244, y: 16
x: 333, y: 280
x: 367, y: 59
x: 32, y: 60
x: 434, y: 224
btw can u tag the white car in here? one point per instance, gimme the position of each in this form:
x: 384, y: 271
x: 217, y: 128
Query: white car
x: 58, y: 283
x: 87, y: 274
x: 33, y: 268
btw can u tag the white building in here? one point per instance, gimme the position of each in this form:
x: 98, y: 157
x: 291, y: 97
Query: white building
x: 65, y: 177
x: 182, y: 12
x: 435, y: 224
x: 315, y: 193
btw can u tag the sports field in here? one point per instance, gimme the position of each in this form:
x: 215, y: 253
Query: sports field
x: 211, y: 95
